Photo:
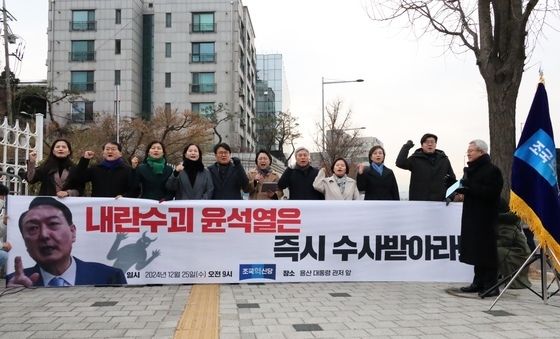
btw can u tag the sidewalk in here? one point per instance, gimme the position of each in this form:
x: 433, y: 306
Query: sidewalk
x: 304, y: 310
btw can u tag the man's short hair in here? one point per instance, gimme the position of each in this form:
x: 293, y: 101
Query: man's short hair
x: 222, y: 145
x: 480, y: 145
x: 299, y: 149
x: 426, y: 136
x: 47, y: 201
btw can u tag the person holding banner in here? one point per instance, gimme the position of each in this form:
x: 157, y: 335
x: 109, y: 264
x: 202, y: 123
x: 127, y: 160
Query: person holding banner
x: 263, y: 181
x: 228, y: 175
x: 377, y: 180
x: 110, y: 178
x: 49, y: 233
x: 481, y: 186
x: 299, y: 179
x: 430, y: 170
x: 338, y: 186
x: 190, y: 180
x: 150, y: 177
x: 54, y: 173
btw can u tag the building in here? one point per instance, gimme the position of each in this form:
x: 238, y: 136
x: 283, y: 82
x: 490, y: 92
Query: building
x: 272, y: 95
x: 137, y: 56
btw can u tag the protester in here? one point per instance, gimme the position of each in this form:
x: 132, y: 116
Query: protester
x: 338, y: 186
x: 228, y: 176
x: 190, y: 180
x: 299, y: 179
x: 150, y: 177
x: 110, y: 178
x: 54, y: 173
x: 481, y: 186
x: 377, y: 180
x: 49, y: 233
x: 262, y: 174
x: 430, y: 170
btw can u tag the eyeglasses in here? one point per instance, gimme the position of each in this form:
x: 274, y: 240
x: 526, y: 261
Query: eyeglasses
x: 222, y: 153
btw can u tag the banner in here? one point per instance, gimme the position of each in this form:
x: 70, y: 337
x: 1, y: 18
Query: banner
x: 534, y: 180
x: 208, y: 241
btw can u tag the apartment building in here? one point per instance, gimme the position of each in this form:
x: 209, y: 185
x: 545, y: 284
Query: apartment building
x: 137, y: 56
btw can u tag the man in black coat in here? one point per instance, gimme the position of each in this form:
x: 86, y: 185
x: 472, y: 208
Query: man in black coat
x: 430, y: 170
x: 481, y: 188
x: 228, y: 176
x: 299, y: 179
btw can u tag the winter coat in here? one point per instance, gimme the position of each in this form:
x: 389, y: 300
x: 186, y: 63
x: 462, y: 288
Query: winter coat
x: 482, y: 187
x: 512, y: 249
x: 300, y: 183
x: 180, y: 184
x: 230, y: 187
x: 150, y: 185
x: 427, y: 173
x: 330, y: 189
x: 105, y: 182
x: 255, y: 187
x: 376, y: 186
x: 51, y: 180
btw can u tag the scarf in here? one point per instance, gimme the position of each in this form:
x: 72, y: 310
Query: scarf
x: 264, y: 172
x: 157, y: 165
x: 192, y: 167
x: 341, y: 182
x: 377, y: 168
x: 111, y: 164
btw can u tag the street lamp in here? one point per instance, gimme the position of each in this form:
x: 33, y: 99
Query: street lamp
x: 323, y: 83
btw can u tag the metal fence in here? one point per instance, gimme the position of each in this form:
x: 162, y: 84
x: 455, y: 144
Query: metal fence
x: 16, y: 143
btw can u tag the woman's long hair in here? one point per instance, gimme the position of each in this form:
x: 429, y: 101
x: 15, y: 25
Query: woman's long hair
x: 52, y: 162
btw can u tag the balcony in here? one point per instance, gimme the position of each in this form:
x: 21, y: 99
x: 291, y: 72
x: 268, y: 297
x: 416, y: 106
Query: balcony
x: 83, y: 25
x: 81, y: 86
x: 203, y: 58
x: 202, y: 88
x: 81, y: 56
x: 203, y: 28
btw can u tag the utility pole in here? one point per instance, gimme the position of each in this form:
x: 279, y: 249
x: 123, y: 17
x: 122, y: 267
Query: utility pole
x: 7, y: 71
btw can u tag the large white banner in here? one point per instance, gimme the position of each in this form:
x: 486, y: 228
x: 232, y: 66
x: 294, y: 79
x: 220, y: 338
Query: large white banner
x: 255, y: 241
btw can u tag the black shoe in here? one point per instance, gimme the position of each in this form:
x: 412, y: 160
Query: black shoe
x: 472, y: 288
x: 493, y: 293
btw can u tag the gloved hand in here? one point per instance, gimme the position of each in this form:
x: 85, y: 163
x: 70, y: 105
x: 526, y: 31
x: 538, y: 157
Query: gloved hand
x: 448, y: 180
x: 236, y: 161
x: 409, y: 144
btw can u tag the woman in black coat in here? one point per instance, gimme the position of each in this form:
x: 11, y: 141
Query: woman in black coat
x: 151, y: 175
x: 377, y: 181
x: 482, y: 184
x: 54, y: 173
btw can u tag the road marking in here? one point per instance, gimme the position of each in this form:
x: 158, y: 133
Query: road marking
x: 200, y: 317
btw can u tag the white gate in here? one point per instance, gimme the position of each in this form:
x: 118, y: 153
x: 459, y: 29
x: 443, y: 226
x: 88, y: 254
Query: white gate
x: 16, y: 144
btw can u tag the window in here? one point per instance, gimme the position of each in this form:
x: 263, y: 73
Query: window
x: 118, y: 16
x: 203, y: 83
x: 167, y: 20
x: 82, y: 81
x: 117, y: 77
x: 82, y: 50
x: 168, y: 50
x: 203, y: 52
x: 167, y: 80
x: 82, y: 111
x: 167, y: 107
x: 118, y: 46
x: 203, y: 22
x: 204, y: 108
x: 83, y: 20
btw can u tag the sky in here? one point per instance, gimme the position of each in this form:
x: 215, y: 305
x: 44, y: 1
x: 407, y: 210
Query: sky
x: 412, y: 85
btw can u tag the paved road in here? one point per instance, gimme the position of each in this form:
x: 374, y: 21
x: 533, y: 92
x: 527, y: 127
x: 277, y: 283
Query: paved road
x: 318, y: 310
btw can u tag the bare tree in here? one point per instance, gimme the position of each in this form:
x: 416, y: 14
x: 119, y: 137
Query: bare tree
x: 217, y: 115
x: 279, y: 129
x: 341, y: 140
x: 498, y: 33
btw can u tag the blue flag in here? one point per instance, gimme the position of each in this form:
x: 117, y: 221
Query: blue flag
x: 534, y: 180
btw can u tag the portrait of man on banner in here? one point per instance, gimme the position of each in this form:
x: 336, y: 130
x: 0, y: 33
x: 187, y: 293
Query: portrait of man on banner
x: 48, y: 231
